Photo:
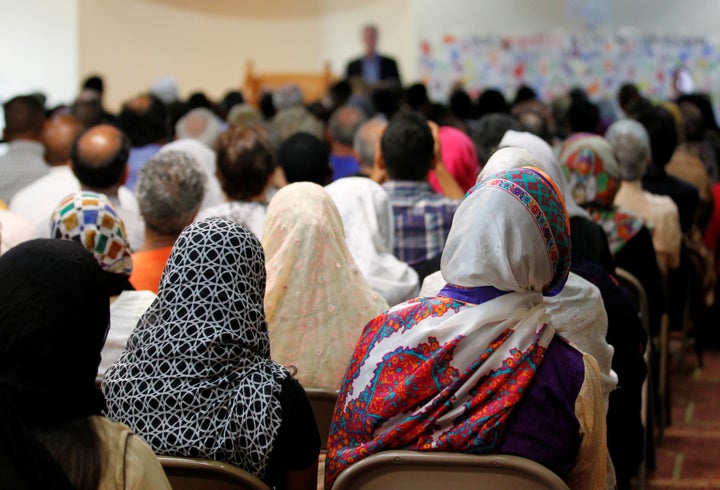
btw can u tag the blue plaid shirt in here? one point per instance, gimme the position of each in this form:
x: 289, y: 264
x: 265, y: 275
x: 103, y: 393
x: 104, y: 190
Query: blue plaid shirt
x: 421, y: 220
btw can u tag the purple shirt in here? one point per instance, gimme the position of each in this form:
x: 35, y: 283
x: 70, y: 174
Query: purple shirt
x: 548, y: 408
x: 136, y: 161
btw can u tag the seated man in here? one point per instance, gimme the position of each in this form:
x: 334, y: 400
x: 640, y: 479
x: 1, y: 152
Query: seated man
x: 170, y: 190
x: 422, y: 217
x: 343, y: 125
x: 99, y: 159
x: 23, y: 163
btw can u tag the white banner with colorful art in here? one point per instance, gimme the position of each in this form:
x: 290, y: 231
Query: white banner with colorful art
x: 553, y: 64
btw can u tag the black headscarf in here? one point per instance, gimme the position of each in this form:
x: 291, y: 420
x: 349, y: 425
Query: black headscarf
x: 54, y: 315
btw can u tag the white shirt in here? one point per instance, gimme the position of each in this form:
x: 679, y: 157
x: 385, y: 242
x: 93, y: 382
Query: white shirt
x: 125, y: 312
x: 37, y: 201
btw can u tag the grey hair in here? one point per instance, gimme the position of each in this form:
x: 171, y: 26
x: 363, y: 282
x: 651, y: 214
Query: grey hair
x: 288, y: 95
x: 344, y: 123
x: 631, y: 146
x: 366, y: 139
x: 170, y: 190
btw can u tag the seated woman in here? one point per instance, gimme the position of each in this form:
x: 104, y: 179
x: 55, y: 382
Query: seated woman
x: 317, y: 300
x: 594, y: 176
x: 196, y: 378
x: 89, y: 219
x: 245, y: 163
x: 479, y: 368
x: 53, y: 318
x: 367, y: 217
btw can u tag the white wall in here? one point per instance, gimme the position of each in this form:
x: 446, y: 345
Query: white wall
x: 39, y: 48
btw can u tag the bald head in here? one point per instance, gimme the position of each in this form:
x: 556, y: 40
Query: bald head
x: 58, y: 136
x: 99, y: 157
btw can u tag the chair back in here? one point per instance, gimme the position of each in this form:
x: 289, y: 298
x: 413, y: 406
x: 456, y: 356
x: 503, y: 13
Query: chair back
x: 202, y: 474
x: 415, y: 470
x: 637, y: 294
x: 323, y: 404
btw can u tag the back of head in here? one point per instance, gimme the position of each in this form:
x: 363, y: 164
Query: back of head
x: 88, y: 218
x: 99, y: 157
x: 524, y: 93
x: 583, y: 116
x: 24, y: 117
x: 230, y: 100
x: 199, y: 124
x: 94, y: 82
x: 491, y: 101
x: 245, y: 162
x: 366, y: 141
x: 54, y: 314
x: 166, y: 89
x: 407, y: 147
x: 344, y: 123
x: 286, y: 96
x: 631, y: 145
x: 488, y: 131
x: 592, y: 170
x: 304, y: 157
x: 499, y: 239
x: 169, y: 192
x: 58, y: 136
x: 243, y: 114
x: 459, y: 156
x: 145, y: 120
x: 87, y: 108
x: 461, y: 105
x: 661, y: 130
x: 416, y: 96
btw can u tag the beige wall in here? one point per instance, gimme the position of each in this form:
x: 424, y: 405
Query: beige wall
x: 205, y: 44
x: 134, y: 42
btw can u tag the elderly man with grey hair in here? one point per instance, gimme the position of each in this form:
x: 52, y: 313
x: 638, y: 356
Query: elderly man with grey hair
x: 631, y: 145
x: 170, y: 190
x: 366, y: 143
x: 342, y: 126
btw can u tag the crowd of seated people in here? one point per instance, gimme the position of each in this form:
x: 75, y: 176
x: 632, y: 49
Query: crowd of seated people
x: 448, y: 269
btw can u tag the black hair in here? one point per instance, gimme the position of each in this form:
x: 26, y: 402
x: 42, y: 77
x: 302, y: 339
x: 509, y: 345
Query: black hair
x: 305, y: 158
x: 461, y: 105
x: 491, y: 101
x: 583, y: 116
x: 408, y: 147
x: 662, y: 131
x: 143, y: 127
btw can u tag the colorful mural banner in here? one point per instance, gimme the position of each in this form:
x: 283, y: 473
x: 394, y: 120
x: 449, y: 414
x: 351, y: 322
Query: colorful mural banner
x: 553, y: 64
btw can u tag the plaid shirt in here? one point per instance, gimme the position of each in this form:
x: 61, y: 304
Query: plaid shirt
x: 422, y: 220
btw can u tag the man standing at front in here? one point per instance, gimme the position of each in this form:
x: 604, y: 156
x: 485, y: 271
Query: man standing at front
x: 373, y: 67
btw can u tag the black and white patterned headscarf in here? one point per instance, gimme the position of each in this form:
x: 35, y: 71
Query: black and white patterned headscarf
x: 196, y: 377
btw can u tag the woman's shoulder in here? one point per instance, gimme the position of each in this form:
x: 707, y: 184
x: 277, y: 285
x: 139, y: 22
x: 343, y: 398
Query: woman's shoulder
x: 128, y: 462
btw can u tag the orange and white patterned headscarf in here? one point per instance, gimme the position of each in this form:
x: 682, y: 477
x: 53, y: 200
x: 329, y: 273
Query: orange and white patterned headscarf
x: 89, y: 219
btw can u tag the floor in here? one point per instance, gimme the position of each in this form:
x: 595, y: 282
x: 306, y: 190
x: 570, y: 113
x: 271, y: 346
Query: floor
x: 689, y: 456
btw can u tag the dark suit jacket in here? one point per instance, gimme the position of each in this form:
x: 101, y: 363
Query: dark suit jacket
x: 388, y: 69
